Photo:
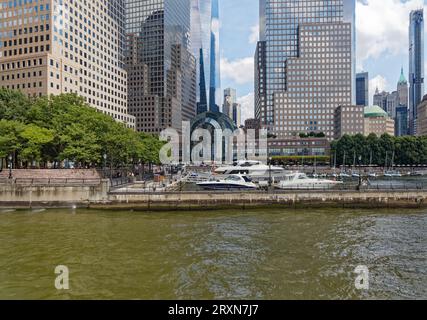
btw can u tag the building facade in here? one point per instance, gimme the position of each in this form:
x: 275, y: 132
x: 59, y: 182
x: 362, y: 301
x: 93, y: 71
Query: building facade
x: 349, y: 120
x: 362, y: 89
x: 401, y: 121
x: 297, y: 146
x: 387, y: 101
x: 158, y: 49
x: 66, y: 46
x: 416, y: 66
x: 377, y: 121
x: 422, y: 117
x: 305, y: 64
x: 230, y: 98
x: 402, y: 90
x: 205, y: 48
x: 230, y: 107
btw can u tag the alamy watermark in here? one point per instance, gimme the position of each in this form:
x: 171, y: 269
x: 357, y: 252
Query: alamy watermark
x: 216, y: 145
x: 362, y: 279
x: 62, y: 280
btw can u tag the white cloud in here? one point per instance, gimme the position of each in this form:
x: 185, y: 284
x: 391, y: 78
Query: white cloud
x: 377, y: 82
x: 247, y: 103
x: 253, y: 37
x: 382, y: 27
x: 241, y: 71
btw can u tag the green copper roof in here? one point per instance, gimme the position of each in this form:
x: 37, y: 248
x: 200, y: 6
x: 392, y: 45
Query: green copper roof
x: 402, y: 79
x: 374, y: 112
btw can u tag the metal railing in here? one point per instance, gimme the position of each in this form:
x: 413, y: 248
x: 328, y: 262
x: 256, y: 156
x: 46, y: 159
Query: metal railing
x: 51, y: 181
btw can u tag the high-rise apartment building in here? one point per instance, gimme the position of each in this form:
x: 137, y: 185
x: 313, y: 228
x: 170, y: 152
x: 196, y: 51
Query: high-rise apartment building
x: 66, y: 46
x: 416, y: 66
x: 362, y: 89
x: 162, y: 68
x: 304, y: 64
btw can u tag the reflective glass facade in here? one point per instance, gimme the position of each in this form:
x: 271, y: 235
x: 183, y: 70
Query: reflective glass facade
x: 362, y: 89
x: 416, y: 66
x: 158, y: 34
x: 205, y: 47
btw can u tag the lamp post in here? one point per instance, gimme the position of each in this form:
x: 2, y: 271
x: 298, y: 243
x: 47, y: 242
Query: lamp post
x: 104, y: 156
x: 10, y: 166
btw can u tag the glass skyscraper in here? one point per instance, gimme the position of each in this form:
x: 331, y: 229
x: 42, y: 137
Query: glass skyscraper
x: 305, y: 64
x: 362, y: 89
x: 416, y: 66
x: 160, y: 63
x: 205, y: 47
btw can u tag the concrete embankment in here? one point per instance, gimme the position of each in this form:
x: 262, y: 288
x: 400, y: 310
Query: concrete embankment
x: 239, y: 200
x: 97, y: 196
x: 56, y: 196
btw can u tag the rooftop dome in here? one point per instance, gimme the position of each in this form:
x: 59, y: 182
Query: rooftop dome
x: 374, y: 112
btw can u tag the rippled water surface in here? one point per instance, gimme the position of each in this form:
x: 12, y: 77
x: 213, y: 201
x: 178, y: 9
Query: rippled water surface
x: 277, y: 254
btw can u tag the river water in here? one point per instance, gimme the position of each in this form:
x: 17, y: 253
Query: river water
x: 275, y: 254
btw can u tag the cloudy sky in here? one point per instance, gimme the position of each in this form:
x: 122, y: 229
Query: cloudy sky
x: 382, y: 43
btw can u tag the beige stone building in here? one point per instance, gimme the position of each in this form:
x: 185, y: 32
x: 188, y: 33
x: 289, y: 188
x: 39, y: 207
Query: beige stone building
x: 377, y: 121
x: 422, y: 118
x: 349, y: 120
x: 66, y: 46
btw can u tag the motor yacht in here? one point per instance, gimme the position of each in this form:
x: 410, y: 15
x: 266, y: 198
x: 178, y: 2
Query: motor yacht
x: 250, y: 168
x: 232, y: 182
x: 300, y: 181
x: 392, y: 174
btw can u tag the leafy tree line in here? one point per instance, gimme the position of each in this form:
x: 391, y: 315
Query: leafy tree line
x: 382, y: 151
x: 64, y: 128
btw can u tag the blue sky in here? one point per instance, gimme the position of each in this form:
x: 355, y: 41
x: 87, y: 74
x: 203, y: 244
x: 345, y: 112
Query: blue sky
x: 382, y: 43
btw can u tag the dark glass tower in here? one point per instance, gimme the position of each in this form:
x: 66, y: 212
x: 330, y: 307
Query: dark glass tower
x: 362, y: 89
x: 205, y: 47
x: 416, y: 66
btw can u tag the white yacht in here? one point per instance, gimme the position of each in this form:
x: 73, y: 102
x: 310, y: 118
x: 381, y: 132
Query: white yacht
x: 232, y: 182
x: 300, y: 181
x: 392, y: 174
x: 250, y: 168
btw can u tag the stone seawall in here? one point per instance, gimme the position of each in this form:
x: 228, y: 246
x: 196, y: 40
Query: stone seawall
x: 294, y: 199
x: 58, y: 195
x: 97, y: 196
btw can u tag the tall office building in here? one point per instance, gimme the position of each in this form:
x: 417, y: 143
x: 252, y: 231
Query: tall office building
x: 387, y: 101
x: 230, y: 98
x: 230, y: 106
x: 66, y: 46
x: 362, y: 89
x: 402, y: 89
x: 205, y: 47
x: 158, y: 55
x: 304, y: 64
x: 237, y: 114
x: 401, y: 121
x: 416, y: 66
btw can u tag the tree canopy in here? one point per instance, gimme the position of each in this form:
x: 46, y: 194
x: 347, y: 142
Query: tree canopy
x: 57, y: 128
x: 383, y: 151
